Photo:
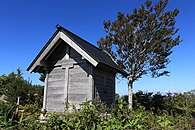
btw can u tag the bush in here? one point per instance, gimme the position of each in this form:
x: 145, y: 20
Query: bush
x: 93, y: 116
x: 14, y: 86
x: 6, y: 114
x: 151, y: 111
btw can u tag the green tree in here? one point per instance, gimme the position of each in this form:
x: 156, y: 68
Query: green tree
x: 141, y: 42
x: 14, y: 86
x: 3, y: 81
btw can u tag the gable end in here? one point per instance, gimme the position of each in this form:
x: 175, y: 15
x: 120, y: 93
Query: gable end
x: 52, y: 42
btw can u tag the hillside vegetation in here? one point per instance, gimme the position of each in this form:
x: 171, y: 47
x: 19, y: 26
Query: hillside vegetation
x: 151, y: 110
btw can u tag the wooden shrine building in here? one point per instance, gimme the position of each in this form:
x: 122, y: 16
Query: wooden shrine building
x: 75, y: 71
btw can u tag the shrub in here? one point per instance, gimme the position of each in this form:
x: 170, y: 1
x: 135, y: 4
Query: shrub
x: 6, y: 114
x: 97, y: 116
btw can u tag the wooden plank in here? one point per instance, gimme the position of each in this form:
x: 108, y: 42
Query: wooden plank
x: 76, y: 102
x: 78, y: 74
x: 66, y: 61
x: 55, y: 97
x: 78, y: 91
x: 67, y: 52
x: 91, y: 83
x: 81, y: 84
x: 51, y: 79
x: 78, y: 49
x: 54, y: 109
x: 45, y: 52
x: 55, y: 90
x: 56, y: 77
x: 52, y: 99
x: 79, y: 78
x: 66, y: 84
x: 56, y: 103
x: 105, y: 85
x: 59, y: 83
x: 76, y: 70
x: 45, y: 92
x: 77, y: 97
x: 57, y: 71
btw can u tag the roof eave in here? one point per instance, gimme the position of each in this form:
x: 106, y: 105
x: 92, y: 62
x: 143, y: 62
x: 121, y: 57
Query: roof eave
x: 42, y: 50
x: 61, y: 34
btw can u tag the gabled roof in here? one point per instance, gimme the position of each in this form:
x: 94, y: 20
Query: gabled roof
x: 90, y: 52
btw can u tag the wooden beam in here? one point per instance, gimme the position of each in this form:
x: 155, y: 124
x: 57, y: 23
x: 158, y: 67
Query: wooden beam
x: 78, y: 49
x: 45, y: 91
x: 66, y: 84
x: 66, y: 62
x: 67, y: 56
x: 45, y: 52
x: 70, y: 43
x: 91, y: 83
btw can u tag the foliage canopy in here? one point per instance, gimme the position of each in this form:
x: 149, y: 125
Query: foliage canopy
x: 142, y: 42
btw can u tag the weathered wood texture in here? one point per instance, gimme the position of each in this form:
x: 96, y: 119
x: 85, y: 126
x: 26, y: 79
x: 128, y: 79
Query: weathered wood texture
x: 56, y: 79
x: 78, y: 79
x: 79, y: 89
x: 104, y: 82
x: 75, y: 70
x: 55, y: 91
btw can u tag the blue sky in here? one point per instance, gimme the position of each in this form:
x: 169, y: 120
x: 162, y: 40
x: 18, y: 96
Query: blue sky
x: 25, y: 27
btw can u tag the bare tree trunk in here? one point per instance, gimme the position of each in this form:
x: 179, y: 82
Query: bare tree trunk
x: 130, y: 96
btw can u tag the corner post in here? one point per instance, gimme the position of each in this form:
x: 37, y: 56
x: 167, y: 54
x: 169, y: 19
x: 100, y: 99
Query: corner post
x: 46, y: 86
x: 66, y: 84
x: 67, y: 56
x: 91, y: 83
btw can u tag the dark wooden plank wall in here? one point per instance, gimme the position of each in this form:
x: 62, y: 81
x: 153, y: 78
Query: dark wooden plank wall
x: 104, y: 85
x: 58, y: 53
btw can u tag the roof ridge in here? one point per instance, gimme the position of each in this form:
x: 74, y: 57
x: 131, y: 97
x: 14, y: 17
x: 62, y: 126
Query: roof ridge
x: 94, y: 52
x: 62, y: 28
x: 69, y: 33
